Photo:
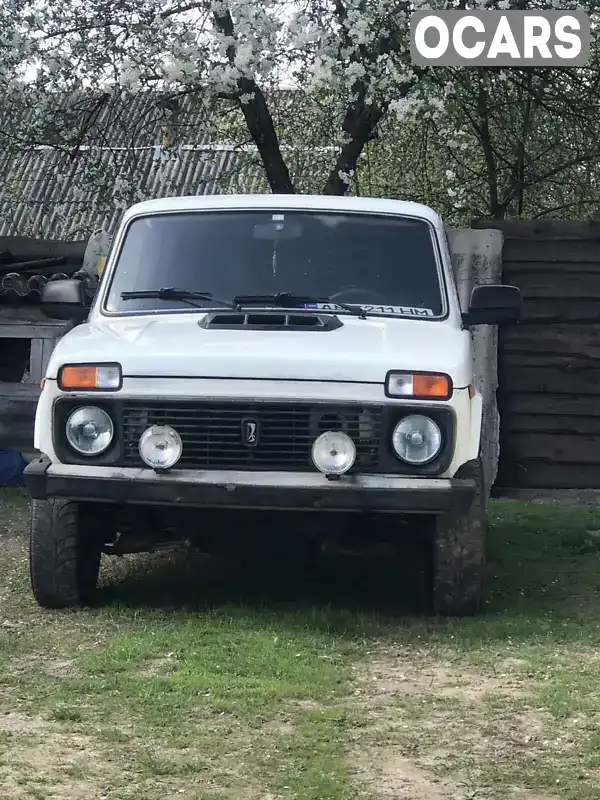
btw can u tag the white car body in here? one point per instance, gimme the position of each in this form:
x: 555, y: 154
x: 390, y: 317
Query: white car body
x: 168, y: 355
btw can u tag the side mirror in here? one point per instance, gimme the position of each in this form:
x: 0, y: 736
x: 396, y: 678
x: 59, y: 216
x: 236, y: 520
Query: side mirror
x: 65, y: 299
x: 493, y: 304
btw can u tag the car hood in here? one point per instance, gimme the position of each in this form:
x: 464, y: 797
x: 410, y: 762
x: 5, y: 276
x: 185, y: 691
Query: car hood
x: 176, y: 345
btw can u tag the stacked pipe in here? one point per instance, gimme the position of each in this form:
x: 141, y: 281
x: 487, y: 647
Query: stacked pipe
x: 22, y: 282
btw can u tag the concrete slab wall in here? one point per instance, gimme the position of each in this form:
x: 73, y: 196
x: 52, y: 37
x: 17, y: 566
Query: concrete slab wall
x: 477, y: 258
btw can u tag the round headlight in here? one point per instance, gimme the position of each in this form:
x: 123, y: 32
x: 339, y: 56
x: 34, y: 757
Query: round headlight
x: 160, y: 446
x: 417, y: 439
x: 89, y: 430
x: 333, y: 453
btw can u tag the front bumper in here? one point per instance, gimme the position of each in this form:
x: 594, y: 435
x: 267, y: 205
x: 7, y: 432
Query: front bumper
x: 233, y: 489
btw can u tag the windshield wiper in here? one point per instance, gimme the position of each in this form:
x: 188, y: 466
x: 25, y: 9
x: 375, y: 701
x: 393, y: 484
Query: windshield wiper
x: 294, y: 301
x: 281, y: 299
x: 170, y: 293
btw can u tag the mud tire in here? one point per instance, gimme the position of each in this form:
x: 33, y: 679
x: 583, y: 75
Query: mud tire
x: 459, y: 553
x: 64, y: 554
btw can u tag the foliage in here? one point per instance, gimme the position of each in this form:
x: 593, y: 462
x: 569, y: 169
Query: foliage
x: 317, y: 95
x: 506, y: 144
x: 234, y: 51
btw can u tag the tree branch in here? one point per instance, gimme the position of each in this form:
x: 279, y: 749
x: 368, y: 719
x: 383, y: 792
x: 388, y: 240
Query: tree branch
x: 361, y: 118
x: 365, y: 120
x: 575, y: 204
x: 258, y: 118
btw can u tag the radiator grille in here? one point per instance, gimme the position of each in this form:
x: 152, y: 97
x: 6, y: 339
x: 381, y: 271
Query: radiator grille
x: 215, y: 434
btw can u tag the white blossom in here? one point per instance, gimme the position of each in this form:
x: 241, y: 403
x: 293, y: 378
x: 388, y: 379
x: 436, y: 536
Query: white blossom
x: 346, y: 177
x: 355, y: 54
x: 129, y: 77
x: 405, y: 105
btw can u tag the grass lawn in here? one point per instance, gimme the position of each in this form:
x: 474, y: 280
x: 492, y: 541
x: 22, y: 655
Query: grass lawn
x: 211, y: 681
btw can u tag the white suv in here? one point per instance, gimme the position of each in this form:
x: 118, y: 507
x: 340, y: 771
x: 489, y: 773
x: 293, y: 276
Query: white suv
x: 287, y: 353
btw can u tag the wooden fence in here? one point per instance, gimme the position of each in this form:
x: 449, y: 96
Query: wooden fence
x: 549, y: 364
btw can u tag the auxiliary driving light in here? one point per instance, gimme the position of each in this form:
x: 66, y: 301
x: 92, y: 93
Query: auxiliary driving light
x: 160, y: 447
x: 417, y: 439
x: 89, y: 430
x: 333, y: 453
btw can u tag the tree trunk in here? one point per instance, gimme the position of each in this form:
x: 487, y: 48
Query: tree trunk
x: 258, y: 118
x: 260, y: 125
x: 364, y: 122
x: 360, y: 123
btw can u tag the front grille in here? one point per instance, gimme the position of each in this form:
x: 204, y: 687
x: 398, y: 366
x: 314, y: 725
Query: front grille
x: 215, y: 434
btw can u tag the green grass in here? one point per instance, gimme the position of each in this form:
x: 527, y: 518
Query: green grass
x: 236, y: 681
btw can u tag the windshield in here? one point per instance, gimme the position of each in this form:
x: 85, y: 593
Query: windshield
x: 386, y: 264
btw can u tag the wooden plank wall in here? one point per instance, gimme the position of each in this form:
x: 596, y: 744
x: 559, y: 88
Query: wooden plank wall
x: 549, y: 364
x: 18, y: 402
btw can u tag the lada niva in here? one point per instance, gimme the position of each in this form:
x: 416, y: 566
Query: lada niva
x: 292, y: 353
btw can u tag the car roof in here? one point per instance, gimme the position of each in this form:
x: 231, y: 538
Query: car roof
x: 279, y: 202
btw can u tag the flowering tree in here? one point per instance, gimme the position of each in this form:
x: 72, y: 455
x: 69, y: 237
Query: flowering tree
x: 237, y: 52
x: 321, y: 92
x: 507, y: 143
x: 537, y: 135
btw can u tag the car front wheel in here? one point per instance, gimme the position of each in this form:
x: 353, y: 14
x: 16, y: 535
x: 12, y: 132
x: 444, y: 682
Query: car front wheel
x: 459, y: 553
x: 64, y: 554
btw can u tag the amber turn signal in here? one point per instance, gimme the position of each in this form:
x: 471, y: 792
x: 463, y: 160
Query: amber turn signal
x: 418, y: 385
x: 89, y: 377
x: 431, y: 386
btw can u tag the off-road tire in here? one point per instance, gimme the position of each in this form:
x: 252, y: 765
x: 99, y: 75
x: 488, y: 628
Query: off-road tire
x: 64, y: 554
x: 459, y: 553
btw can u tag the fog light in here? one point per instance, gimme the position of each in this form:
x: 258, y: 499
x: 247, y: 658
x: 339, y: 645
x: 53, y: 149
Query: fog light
x: 89, y: 430
x: 417, y: 439
x: 160, y: 447
x: 333, y: 453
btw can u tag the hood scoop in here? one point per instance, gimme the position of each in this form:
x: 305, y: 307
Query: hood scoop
x: 270, y: 321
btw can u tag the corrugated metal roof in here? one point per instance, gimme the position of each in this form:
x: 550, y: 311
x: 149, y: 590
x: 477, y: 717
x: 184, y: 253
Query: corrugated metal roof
x: 45, y: 196
x: 120, y: 159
